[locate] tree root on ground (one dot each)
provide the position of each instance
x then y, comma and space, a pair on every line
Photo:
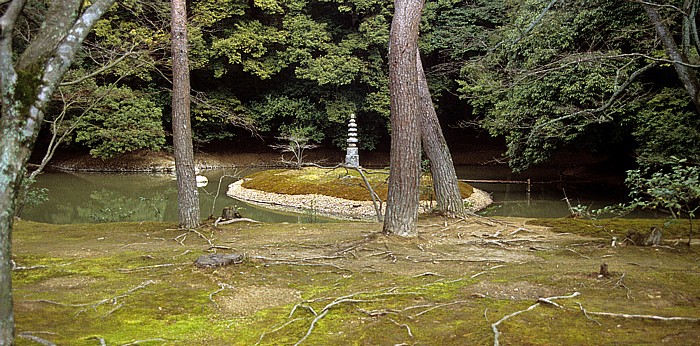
95, 305
586, 313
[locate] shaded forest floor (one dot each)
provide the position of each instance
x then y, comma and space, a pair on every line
344, 284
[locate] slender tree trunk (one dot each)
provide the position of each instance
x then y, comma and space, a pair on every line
442, 168
187, 195
404, 178
25, 89
685, 73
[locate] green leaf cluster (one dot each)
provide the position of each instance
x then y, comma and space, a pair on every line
560, 77
126, 120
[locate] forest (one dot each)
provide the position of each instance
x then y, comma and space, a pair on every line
543, 75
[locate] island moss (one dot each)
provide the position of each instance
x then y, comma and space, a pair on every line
337, 182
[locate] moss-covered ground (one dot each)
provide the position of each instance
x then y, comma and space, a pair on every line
135, 282
338, 182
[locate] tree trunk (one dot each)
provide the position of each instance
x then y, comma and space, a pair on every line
447, 195
685, 73
26, 89
404, 177
187, 195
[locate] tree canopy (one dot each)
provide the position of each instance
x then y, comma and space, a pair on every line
543, 74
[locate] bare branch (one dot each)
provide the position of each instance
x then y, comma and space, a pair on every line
101, 69
653, 4
632, 78
532, 25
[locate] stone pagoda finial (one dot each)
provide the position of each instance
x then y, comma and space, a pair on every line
352, 156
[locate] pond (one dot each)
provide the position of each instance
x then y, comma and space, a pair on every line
109, 197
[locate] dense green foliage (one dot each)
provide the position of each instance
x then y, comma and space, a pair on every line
582, 73
124, 121
543, 74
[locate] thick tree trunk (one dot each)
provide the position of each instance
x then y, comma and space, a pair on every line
404, 177
187, 195
685, 73
37, 74
447, 195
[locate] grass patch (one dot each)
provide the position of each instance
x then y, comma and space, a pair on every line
618, 227
339, 182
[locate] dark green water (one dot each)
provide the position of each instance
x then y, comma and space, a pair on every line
109, 197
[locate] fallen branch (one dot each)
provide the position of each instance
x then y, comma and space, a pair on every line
218, 221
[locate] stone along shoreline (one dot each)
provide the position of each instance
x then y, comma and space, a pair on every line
332, 207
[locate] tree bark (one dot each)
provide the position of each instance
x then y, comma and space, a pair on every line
685, 73
26, 89
445, 184
187, 194
404, 177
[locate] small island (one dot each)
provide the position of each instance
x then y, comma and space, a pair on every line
337, 193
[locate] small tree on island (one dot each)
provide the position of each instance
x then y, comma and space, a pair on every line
296, 143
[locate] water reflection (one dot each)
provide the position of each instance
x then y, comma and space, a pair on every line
111, 197
108, 197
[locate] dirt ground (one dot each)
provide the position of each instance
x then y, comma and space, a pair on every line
473, 281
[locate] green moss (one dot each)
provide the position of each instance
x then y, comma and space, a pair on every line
339, 183
112, 264
607, 228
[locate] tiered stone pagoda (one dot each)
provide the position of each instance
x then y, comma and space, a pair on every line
352, 156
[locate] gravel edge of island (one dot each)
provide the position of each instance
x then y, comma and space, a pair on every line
332, 207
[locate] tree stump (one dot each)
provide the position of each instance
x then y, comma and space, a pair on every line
604, 273
230, 213
653, 237
218, 260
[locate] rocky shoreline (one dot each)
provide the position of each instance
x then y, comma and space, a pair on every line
332, 207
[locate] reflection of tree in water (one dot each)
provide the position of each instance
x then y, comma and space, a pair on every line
108, 206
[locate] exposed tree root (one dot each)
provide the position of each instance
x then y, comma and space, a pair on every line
39, 340
275, 329
131, 270
301, 262
95, 305
222, 286
548, 300
643, 317
324, 311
